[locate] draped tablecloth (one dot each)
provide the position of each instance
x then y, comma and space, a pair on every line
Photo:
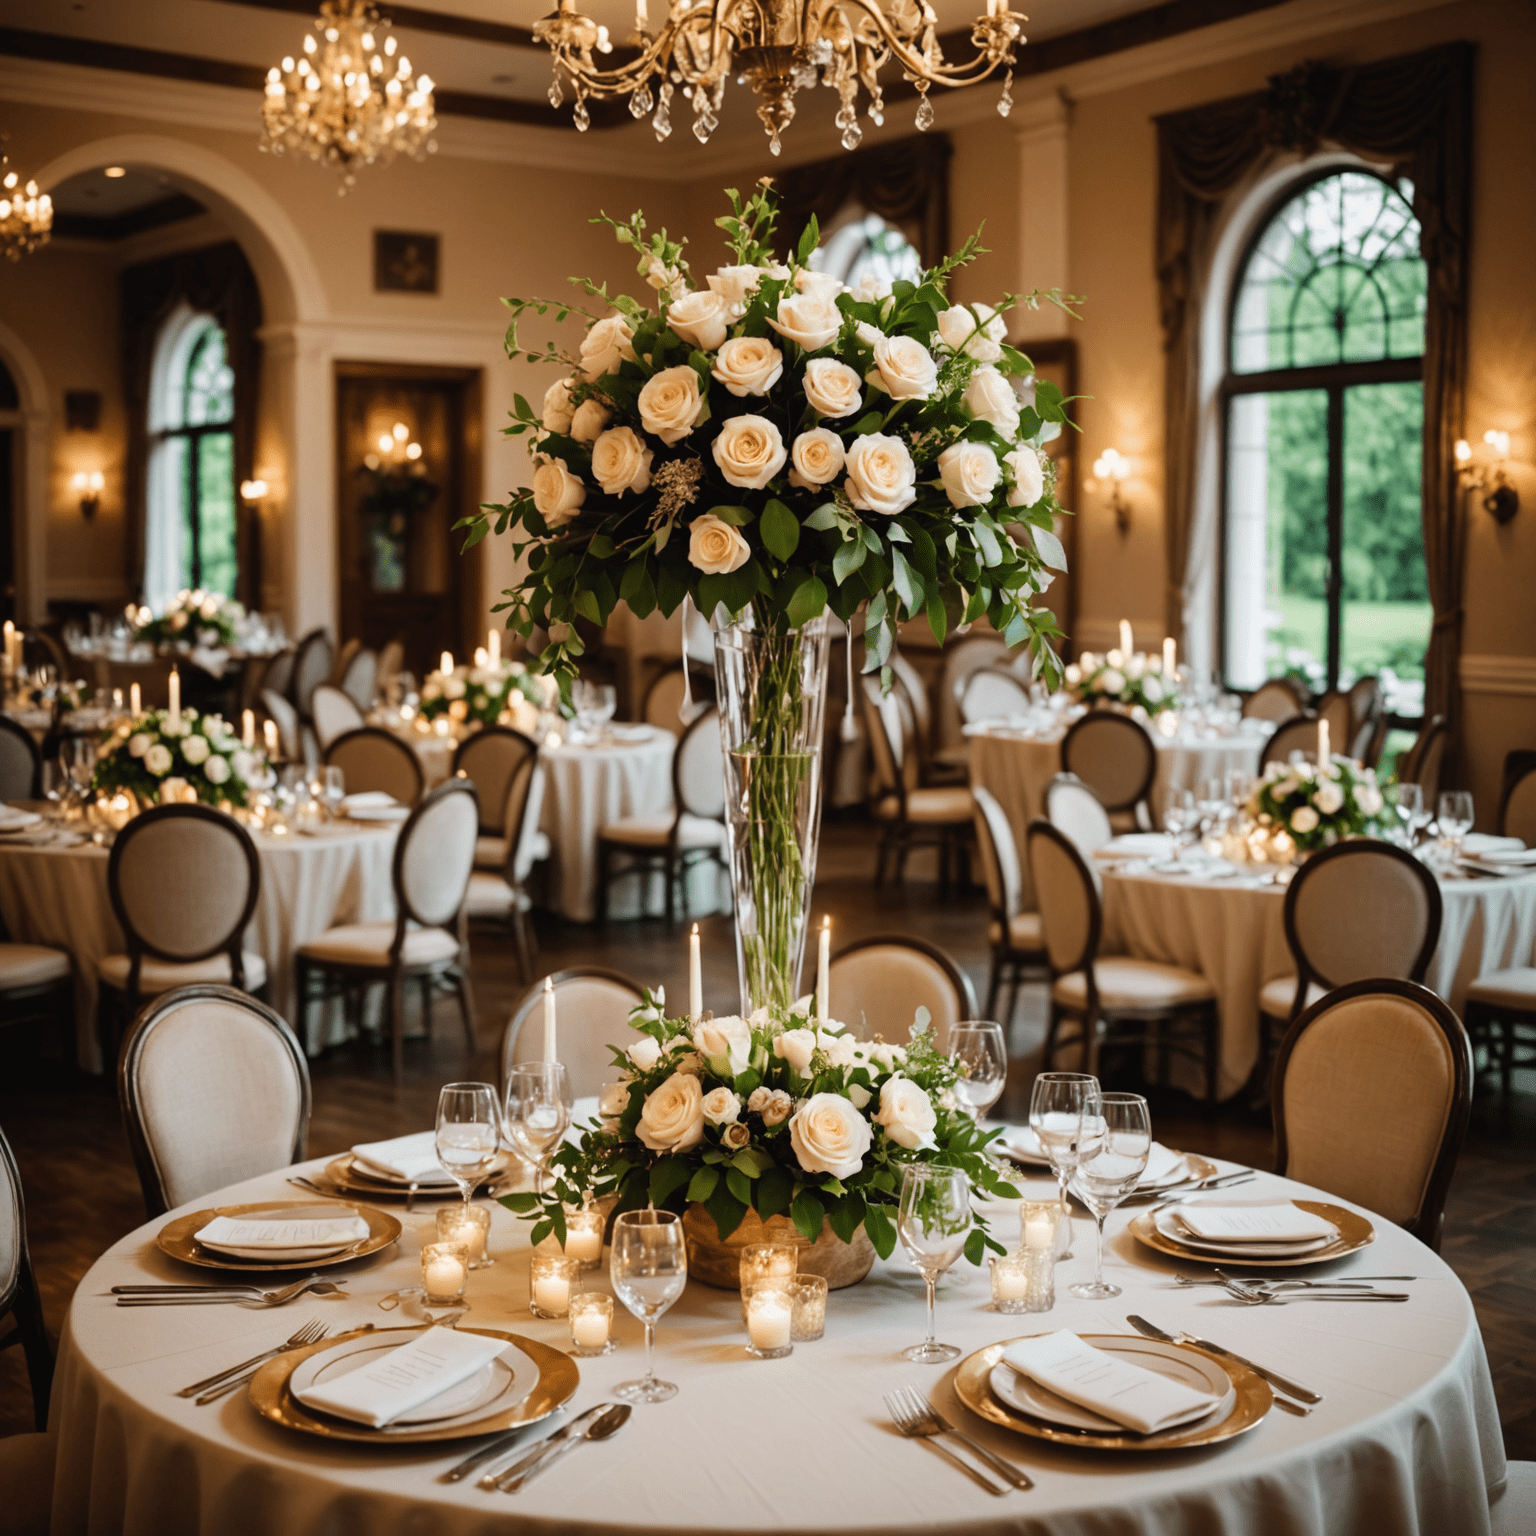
1232, 931
55, 894
1406, 1441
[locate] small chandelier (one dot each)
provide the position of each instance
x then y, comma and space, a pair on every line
349, 99
779, 47
26, 215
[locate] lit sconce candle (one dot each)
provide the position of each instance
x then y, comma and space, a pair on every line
174, 684
551, 1279
445, 664
592, 1323
248, 728
824, 971
584, 1237
695, 976
1324, 755
135, 701
770, 1316
444, 1268
493, 647
10, 647
1126, 649
1170, 656
551, 1052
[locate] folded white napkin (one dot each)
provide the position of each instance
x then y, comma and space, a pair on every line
367, 800
1484, 843
410, 1159
1138, 845
12, 818
1161, 1164
1129, 1394
1283, 1223
405, 1378
1515, 856
276, 1234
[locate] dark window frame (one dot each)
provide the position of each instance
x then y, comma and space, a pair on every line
194, 436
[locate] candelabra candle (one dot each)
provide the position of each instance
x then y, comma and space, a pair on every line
770, 1315
247, 729
470, 1225
592, 1324
808, 1299
136, 701
551, 1279
444, 1268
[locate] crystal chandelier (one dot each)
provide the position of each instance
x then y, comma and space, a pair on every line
780, 47
349, 99
26, 215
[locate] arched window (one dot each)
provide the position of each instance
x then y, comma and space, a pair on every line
190, 535
861, 244
1324, 552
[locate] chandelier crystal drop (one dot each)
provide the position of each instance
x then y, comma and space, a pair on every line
348, 99
779, 47
26, 215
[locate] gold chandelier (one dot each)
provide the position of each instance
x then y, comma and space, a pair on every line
780, 47
26, 215
349, 98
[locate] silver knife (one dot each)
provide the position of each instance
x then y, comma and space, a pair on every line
489, 1452
1274, 1378
545, 1446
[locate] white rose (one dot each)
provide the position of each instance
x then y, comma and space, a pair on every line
728, 1036
243, 762
670, 403
1112, 680
1368, 798
796, 1046
173, 791
179, 619
881, 475
889, 1056
216, 769
778, 1108
749, 451
721, 1106
645, 1053
970, 473
138, 744
1304, 820
1329, 798
1153, 690
715, 547
195, 749
621, 461
974, 329
990, 397
672, 1119
557, 493
907, 1113
158, 759
557, 407
904, 368
825, 285
590, 419
210, 608
842, 1050
871, 288
1026, 466
831, 387
455, 687
829, 1136
749, 365
612, 1100
605, 346
759, 1100
817, 457
811, 319
700, 319
733, 284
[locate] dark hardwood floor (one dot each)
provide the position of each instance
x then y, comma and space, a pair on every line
82, 1192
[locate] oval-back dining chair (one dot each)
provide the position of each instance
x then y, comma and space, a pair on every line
19, 1298
312, 663
1073, 807
592, 1007
21, 763
1013, 933
373, 759
1277, 699
993, 693
491, 758
879, 983
334, 713
1116, 758
1298, 734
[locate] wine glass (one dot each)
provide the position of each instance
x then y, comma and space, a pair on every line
978, 1046
334, 790
1408, 801
468, 1135
648, 1268
1214, 808
537, 1112
1179, 818
934, 1217
1454, 814
1114, 1157
1057, 1109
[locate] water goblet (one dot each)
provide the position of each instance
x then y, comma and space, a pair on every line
981, 1050
537, 1112
1059, 1105
649, 1269
1179, 820
1113, 1160
1408, 802
334, 790
468, 1134
932, 1222
1454, 814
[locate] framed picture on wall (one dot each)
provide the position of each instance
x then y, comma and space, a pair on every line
1056, 360
404, 262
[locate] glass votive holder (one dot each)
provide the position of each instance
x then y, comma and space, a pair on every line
551, 1279
775, 1262
444, 1269
592, 1323
584, 1237
1041, 1227
470, 1225
1024, 1282
808, 1303
770, 1318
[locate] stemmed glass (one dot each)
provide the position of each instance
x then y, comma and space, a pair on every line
1179, 819
1058, 1109
1214, 808
334, 790
468, 1135
934, 1218
978, 1045
648, 1268
538, 1113
1114, 1157
1454, 814
1408, 801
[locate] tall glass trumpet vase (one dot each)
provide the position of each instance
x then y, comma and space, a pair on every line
772, 685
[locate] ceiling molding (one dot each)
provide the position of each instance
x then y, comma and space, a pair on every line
171, 209
440, 22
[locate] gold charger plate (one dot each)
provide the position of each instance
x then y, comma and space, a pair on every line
1253, 1401
344, 1174
1354, 1233
175, 1237
559, 1376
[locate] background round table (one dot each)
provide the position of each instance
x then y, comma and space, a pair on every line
1406, 1440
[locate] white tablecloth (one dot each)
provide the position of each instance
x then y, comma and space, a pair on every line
1016, 768
1232, 932
58, 896
1407, 1438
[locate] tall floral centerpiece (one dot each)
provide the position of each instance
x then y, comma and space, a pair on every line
1133, 682
164, 756
192, 618
775, 448
486, 693
1304, 806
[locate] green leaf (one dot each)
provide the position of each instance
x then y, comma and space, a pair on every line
780, 529
774, 1191
808, 1213
846, 1215
823, 518
726, 1209
809, 602
739, 1184
848, 559
909, 587
871, 421
987, 540
702, 1185
1048, 547
938, 619
668, 1175
808, 240
737, 517
520, 1203
586, 605
881, 1230
976, 1245
637, 590
752, 1161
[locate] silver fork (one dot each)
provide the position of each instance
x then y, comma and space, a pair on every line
911, 1426
924, 1409
1259, 1297
305, 1335
242, 1377
1309, 1285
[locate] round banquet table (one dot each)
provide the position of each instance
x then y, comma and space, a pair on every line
1016, 764
1232, 931
55, 892
1407, 1439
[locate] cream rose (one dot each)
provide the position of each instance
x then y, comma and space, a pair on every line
778, 1108
216, 769
975, 329
736, 1136
832, 388
158, 759
672, 1119
589, 420
557, 493
817, 457
842, 1050
796, 1047
907, 1113
969, 472
195, 749
904, 368
1329, 798
1027, 470
557, 407
829, 1136
749, 451
721, 1106
825, 285
612, 1100
138, 744
872, 289
733, 284
1304, 819
605, 346
700, 319
645, 1053
670, 403
715, 547
990, 397
881, 475
728, 1036
758, 1100
621, 461
811, 319
748, 365
889, 1056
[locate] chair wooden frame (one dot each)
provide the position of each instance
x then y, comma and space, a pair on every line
395, 745
1268, 752
941, 957
534, 998
1008, 961
490, 827
1499, 1026
522, 930
701, 689
152, 1014
932, 768
21, 733
1519, 765
21, 1301
1276, 685
1434, 734
1427, 1223
1138, 804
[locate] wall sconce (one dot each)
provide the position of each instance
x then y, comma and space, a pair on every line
1112, 466
253, 490
396, 447
88, 487
1491, 477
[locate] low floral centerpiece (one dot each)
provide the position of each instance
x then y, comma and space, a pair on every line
778, 1122
1311, 807
487, 694
192, 618
160, 758
1133, 682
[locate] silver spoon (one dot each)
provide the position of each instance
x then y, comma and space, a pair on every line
602, 1427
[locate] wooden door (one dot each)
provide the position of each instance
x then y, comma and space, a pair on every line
399, 566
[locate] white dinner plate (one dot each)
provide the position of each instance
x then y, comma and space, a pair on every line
1021, 1143
1136, 845
1168, 1223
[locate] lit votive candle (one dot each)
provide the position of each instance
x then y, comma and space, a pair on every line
770, 1317
584, 1238
592, 1324
551, 1279
1037, 1224
470, 1225
1010, 1283
771, 1262
808, 1300
444, 1268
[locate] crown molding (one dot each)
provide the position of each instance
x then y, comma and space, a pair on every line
1507, 676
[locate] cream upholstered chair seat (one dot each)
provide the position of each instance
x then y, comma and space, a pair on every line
489, 896
1512, 988
935, 805
491, 852
1277, 996
879, 983
654, 831
1024, 931
1127, 984
369, 944
31, 965
157, 976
